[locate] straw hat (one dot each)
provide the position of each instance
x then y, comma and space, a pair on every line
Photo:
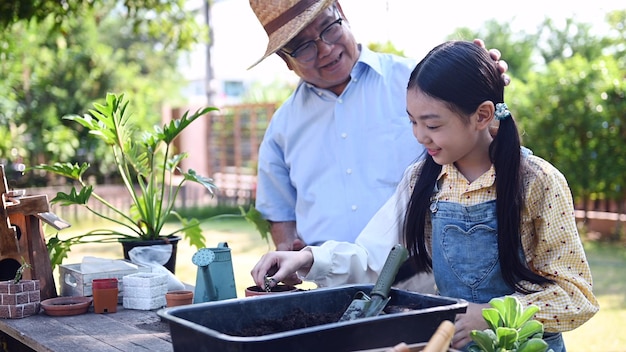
284, 19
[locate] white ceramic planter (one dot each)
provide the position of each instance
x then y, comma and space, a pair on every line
144, 291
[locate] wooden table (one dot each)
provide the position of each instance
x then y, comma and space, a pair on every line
126, 330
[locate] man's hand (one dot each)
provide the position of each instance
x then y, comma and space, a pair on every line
496, 56
285, 237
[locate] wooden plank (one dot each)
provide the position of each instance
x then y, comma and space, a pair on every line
125, 330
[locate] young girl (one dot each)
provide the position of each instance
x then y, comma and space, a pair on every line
480, 212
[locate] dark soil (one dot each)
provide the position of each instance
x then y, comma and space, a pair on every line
299, 319
275, 289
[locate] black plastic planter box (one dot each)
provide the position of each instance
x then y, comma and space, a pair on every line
219, 326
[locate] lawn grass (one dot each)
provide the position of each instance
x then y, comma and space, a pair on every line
604, 332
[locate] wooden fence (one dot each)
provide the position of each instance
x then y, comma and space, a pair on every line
230, 140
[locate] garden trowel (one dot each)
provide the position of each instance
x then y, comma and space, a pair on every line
368, 306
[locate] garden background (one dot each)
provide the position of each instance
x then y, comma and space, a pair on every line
568, 94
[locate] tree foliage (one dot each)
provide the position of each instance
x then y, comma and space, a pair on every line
570, 101
574, 38
12, 12
167, 19
568, 122
517, 48
386, 47
59, 64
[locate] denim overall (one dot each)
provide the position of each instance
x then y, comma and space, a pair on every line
465, 255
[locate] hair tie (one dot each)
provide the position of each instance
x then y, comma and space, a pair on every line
502, 112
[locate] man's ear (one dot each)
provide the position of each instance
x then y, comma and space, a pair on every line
485, 114
285, 59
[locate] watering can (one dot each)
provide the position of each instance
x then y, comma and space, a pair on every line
215, 279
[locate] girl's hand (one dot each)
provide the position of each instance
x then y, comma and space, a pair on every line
465, 323
282, 267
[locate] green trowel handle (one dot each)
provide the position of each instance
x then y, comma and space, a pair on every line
396, 257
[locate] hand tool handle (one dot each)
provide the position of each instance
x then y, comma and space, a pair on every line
440, 341
396, 257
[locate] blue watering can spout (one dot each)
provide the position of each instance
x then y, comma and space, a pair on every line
215, 279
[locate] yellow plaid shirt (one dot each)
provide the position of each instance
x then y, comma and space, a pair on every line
549, 237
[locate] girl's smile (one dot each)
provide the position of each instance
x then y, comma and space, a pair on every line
449, 136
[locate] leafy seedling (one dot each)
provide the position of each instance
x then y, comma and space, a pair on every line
511, 328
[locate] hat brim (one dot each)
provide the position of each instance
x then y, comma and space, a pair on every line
284, 34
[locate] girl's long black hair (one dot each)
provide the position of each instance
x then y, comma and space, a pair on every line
463, 75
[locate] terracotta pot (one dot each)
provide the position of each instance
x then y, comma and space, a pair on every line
105, 292
19, 300
179, 298
278, 289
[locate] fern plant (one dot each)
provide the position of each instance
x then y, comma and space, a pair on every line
150, 172
511, 328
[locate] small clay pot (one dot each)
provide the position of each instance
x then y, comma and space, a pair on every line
105, 295
178, 298
259, 291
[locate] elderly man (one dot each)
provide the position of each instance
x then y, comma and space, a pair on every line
336, 149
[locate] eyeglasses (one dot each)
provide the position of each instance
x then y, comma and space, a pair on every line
307, 51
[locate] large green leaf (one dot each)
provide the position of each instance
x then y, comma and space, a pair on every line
171, 130
69, 170
57, 250
207, 182
513, 309
173, 162
527, 314
530, 329
493, 318
74, 198
193, 233
498, 304
254, 217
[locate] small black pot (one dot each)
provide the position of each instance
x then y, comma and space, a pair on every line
128, 244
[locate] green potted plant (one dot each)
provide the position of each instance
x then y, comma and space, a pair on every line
511, 328
150, 172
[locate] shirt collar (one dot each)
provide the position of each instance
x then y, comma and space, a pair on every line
367, 58
449, 170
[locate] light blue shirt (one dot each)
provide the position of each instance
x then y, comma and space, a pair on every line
330, 162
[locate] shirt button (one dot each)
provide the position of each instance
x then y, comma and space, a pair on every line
340, 100
344, 135
348, 171
354, 207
